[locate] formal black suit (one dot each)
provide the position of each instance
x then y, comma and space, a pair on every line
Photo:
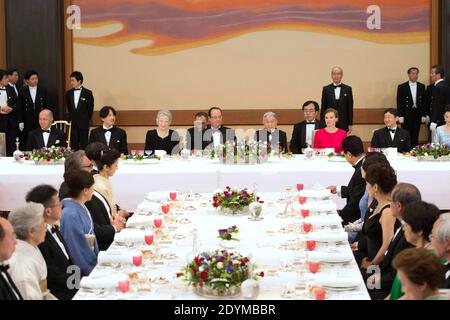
344, 105
35, 139
353, 193
447, 276
440, 98
298, 142
9, 122
382, 139
57, 266
103, 229
388, 273
279, 139
7, 288
412, 113
196, 135
118, 139
227, 134
81, 117
30, 110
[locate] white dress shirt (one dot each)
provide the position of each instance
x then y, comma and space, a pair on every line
337, 91
413, 87
107, 135
58, 241
46, 136
76, 97
217, 135
3, 97
393, 133
310, 128
33, 93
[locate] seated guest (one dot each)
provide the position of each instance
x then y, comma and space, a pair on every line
380, 283
419, 219
196, 133
74, 162
443, 132
216, 134
108, 134
28, 267
77, 226
107, 220
276, 139
163, 138
379, 227
302, 136
46, 136
353, 149
331, 136
54, 248
420, 274
93, 153
8, 289
391, 136
440, 240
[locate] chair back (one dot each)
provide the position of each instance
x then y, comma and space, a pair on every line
65, 127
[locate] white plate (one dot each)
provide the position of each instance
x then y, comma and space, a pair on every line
143, 162
337, 159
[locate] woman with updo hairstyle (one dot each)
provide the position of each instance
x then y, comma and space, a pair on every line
77, 226
379, 227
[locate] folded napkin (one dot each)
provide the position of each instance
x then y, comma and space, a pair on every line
122, 257
327, 257
105, 282
320, 206
317, 221
158, 196
327, 236
131, 235
316, 194
337, 281
147, 206
140, 221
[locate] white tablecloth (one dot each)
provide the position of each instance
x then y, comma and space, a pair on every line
264, 240
133, 182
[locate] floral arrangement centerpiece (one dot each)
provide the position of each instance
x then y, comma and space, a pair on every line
227, 234
217, 274
431, 152
53, 155
234, 201
138, 157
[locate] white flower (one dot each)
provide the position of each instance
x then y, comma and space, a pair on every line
201, 269
220, 266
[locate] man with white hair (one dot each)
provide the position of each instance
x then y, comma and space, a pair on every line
440, 238
276, 139
8, 290
46, 136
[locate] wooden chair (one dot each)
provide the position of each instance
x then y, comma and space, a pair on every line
65, 127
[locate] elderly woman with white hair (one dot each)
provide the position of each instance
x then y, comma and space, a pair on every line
275, 138
163, 138
440, 239
28, 267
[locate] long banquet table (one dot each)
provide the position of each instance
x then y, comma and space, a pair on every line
133, 181
268, 241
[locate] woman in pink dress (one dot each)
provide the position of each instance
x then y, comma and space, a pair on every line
331, 136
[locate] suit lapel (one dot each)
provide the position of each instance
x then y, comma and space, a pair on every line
114, 138
333, 96
40, 139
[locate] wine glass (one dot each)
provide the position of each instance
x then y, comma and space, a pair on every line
173, 196
149, 239
124, 286
311, 245
307, 227
133, 153
148, 153
137, 260
158, 223
302, 200
305, 213
300, 187
314, 266
165, 208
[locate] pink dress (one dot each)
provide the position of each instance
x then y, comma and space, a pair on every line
324, 139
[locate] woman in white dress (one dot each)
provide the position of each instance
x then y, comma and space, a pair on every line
28, 267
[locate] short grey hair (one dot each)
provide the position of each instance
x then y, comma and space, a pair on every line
164, 113
443, 230
405, 193
74, 161
50, 113
269, 115
28, 217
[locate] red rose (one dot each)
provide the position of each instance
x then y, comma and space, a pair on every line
261, 274
204, 275
215, 205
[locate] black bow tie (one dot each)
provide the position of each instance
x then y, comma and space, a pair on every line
393, 130
4, 267
77, 89
338, 86
310, 122
45, 131
106, 130
55, 229
2, 89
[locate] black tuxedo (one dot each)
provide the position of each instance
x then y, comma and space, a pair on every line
227, 134
9, 122
104, 231
382, 139
406, 109
16, 94
118, 139
7, 288
279, 139
57, 265
353, 193
388, 273
298, 142
30, 110
447, 276
35, 139
344, 106
81, 117
196, 135
440, 97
